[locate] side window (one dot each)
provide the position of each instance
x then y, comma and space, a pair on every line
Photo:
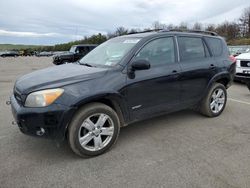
215, 45
86, 50
191, 48
81, 50
77, 50
158, 51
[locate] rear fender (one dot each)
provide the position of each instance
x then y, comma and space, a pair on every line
217, 78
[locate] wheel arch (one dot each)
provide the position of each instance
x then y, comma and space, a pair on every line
223, 78
112, 100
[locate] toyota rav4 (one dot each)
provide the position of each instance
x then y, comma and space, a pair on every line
124, 80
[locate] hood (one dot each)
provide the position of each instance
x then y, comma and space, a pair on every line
57, 76
244, 56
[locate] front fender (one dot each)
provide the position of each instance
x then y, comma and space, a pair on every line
117, 101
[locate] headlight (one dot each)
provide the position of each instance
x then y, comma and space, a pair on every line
237, 63
43, 98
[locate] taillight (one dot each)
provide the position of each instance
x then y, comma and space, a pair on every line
232, 58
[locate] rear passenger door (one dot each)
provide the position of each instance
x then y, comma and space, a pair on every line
198, 67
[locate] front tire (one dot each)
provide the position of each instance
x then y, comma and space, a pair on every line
93, 130
215, 101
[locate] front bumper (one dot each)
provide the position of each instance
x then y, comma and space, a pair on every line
242, 74
52, 119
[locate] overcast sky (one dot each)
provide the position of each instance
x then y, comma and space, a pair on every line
59, 21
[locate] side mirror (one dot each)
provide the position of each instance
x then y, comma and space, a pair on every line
140, 64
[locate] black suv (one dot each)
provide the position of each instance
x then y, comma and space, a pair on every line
9, 54
75, 53
125, 79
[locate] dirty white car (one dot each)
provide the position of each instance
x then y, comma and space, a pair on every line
243, 67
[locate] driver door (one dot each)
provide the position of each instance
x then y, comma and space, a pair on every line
156, 90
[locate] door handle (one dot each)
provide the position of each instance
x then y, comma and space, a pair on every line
212, 66
174, 71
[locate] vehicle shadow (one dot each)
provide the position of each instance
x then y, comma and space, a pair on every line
47, 149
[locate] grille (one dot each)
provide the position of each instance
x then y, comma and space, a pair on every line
245, 64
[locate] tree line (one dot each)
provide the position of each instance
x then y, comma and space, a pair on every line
235, 32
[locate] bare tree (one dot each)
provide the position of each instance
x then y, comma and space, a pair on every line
111, 35
197, 26
245, 22
131, 31
121, 31
157, 25
233, 30
210, 27
229, 30
170, 26
182, 26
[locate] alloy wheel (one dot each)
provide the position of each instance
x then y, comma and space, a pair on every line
96, 132
217, 100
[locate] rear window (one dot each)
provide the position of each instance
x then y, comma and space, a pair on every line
191, 48
215, 45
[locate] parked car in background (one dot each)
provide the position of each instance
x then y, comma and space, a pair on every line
40, 54
9, 54
237, 50
243, 67
27, 52
59, 52
75, 53
124, 80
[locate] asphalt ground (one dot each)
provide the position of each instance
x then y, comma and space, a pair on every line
183, 149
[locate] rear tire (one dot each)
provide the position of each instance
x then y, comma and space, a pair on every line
93, 130
215, 101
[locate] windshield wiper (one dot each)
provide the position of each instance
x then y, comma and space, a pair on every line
85, 64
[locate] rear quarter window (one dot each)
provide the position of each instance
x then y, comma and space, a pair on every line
215, 45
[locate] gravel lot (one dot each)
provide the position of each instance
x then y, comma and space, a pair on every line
183, 149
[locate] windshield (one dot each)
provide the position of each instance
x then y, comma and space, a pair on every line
110, 53
72, 49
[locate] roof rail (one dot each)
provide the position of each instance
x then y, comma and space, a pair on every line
192, 31
145, 31
177, 30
